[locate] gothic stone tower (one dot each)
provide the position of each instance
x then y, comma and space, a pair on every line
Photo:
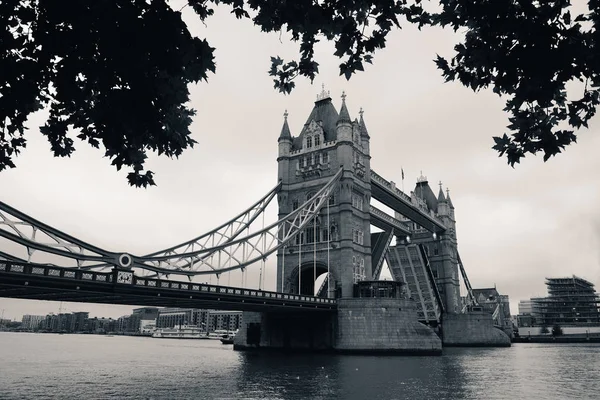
327, 142
442, 250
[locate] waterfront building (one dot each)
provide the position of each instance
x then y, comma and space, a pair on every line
224, 320
170, 317
571, 301
143, 320
31, 322
102, 325
78, 322
207, 320
526, 307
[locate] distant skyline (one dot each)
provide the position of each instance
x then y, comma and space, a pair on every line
515, 226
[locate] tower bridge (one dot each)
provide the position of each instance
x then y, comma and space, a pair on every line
324, 192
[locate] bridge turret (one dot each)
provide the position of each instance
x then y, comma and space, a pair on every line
285, 148
285, 138
344, 123
443, 208
364, 134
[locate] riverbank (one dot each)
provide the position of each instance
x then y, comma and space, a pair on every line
558, 339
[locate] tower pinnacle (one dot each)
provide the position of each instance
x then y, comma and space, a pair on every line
344, 115
441, 196
324, 94
362, 124
285, 129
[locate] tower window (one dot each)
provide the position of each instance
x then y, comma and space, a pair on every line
310, 234
309, 142
325, 158
357, 202
295, 204
358, 236
333, 233
317, 140
331, 199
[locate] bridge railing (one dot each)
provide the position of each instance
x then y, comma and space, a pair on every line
386, 217
381, 180
55, 272
153, 283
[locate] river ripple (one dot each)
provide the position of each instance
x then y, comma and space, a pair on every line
48, 366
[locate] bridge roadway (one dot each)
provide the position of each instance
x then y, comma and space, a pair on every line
45, 282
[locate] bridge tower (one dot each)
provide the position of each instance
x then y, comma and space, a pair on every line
442, 250
340, 236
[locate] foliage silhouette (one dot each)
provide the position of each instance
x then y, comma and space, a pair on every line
118, 71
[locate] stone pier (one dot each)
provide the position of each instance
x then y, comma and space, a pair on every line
474, 329
383, 325
377, 320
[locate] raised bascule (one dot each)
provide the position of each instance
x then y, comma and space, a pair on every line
323, 234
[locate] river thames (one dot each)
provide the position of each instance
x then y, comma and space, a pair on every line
50, 366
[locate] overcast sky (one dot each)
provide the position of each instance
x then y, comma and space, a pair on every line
515, 226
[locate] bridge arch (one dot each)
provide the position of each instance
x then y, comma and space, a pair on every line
310, 274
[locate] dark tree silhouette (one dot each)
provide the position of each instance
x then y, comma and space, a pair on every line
118, 71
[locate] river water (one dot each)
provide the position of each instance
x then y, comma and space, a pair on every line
50, 366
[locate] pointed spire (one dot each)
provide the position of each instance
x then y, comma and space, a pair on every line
441, 196
449, 199
285, 129
363, 127
344, 114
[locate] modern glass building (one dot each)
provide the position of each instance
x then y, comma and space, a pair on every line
570, 302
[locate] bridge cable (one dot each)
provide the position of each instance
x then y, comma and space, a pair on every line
315, 253
300, 263
264, 260
328, 245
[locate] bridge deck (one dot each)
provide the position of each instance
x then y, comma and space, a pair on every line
42, 282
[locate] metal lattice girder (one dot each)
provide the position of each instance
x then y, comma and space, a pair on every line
228, 253
37, 236
224, 233
239, 253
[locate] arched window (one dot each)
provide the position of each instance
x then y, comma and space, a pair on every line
317, 140
325, 157
333, 233
309, 142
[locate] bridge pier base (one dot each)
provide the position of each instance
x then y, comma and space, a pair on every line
285, 331
361, 325
383, 325
474, 329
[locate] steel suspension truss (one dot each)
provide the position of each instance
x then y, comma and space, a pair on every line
239, 253
220, 250
36, 236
